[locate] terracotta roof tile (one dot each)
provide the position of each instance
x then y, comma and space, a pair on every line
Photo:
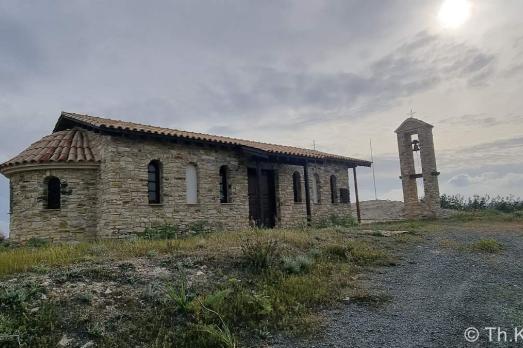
105, 123
70, 145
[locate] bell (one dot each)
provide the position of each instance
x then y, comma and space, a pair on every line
415, 145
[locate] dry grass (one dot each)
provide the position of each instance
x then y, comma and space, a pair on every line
362, 253
21, 259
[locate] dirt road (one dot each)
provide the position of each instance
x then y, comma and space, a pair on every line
439, 289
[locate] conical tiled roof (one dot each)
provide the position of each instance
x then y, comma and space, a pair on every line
72, 145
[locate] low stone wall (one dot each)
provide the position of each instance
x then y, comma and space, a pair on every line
384, 210
380, 210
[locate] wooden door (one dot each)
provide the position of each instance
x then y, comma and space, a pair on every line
262, 205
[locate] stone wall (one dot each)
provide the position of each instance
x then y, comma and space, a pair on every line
325, 207
110, 199
76, 220
380, 210
124, 206
289, 212
294, 214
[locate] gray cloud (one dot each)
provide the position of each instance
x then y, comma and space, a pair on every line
421, 64
482, 119
287, 71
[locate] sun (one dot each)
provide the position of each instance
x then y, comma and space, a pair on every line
453, 13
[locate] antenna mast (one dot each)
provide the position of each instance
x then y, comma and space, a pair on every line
373, 174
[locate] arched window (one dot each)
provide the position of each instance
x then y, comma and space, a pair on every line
154, 182
53, 193
316, 191
334, 189
191, 181
225, 196
296, 186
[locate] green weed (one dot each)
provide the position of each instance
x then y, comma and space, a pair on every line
490, 246
363, 254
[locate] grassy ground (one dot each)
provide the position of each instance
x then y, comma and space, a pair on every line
212, 290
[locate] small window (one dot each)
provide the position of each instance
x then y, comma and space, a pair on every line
154, 182
53, 193
191, 181
344, 195
316, 192
224, 185
296, 185
334, 189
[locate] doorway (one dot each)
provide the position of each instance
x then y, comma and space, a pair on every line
262, 205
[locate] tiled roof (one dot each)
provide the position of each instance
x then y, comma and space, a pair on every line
70, 145
105, 123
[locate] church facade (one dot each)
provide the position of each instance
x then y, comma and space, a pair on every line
96, 178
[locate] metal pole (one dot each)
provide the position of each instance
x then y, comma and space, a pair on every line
357, 196
307, 192
373, 174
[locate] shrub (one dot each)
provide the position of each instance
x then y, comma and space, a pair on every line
259, 253
296, 264
238, 305
507, 204
180, 295
336, 250
315, 253
4, 243
487, 246
37, 243
38, 328
217, 334
153, 292
199, 227
85, 297
160, 232
15, 298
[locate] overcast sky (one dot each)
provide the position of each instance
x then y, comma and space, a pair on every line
334, 72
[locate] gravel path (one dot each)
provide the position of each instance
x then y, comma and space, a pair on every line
436, 293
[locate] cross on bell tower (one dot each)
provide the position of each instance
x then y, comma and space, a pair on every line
415, 137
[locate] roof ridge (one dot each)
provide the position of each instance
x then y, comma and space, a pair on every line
189, 131
103, 122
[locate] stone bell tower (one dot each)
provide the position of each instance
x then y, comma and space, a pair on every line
418, 168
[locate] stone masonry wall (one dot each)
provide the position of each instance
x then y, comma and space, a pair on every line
293, 214
123, 202
76, 220
111, 201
